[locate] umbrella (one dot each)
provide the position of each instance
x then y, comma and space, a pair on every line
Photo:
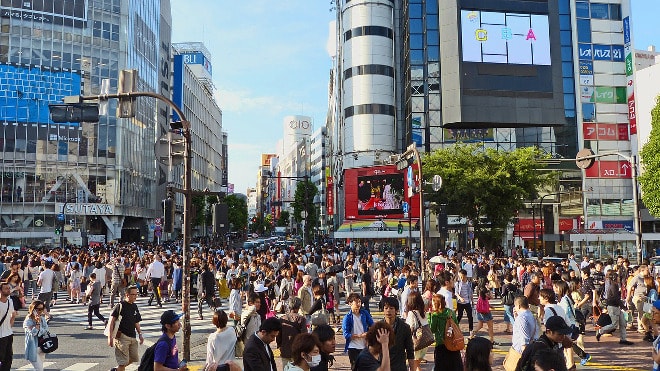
439, 260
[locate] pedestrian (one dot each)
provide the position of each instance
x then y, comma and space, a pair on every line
355, 325
292, 325
250, 317
479, 355
35, 325
306, 295
554, 338
7, 317
509, 290
531, 292
93, 296
306, 353
445, 360
126, 346
655, 319
166, 352
326, 336
155, 273
116, 289
367, 286
376, 356
258, 356
464, 293
525, 329
206, 290
637, 291
484, 314
547, 360
402, 348
45, 281
416, 319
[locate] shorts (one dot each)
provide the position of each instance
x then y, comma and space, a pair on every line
419, 354
484, 317
126, 350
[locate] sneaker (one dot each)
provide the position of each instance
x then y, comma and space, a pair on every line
586, 359
89, 328
625, 342
598, 335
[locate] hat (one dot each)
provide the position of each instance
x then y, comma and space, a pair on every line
169, 317
260, 288
557, 324
656, 304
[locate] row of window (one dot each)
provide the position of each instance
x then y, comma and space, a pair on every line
369, 109
369, 69
369, 31
584, 9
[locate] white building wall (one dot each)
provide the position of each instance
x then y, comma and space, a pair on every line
647, 89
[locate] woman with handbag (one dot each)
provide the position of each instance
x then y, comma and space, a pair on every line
445, 359
416, 320
35, 325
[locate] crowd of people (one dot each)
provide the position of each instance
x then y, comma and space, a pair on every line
291, 298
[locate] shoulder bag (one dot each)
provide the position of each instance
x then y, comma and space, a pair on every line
106, 331
48, 343
422, 336
453, 336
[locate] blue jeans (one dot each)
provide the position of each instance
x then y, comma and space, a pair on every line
508, 314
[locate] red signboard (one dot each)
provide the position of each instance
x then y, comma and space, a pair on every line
377, 192
525, 227
609, 169
632, 114
594, 131
330, 196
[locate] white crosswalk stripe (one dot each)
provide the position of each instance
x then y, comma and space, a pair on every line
150, 324
80, 367
29, 366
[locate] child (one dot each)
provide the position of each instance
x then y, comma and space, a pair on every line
484, 314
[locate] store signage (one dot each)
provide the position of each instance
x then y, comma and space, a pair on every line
86, 209
330, 196
594, 131
610, 169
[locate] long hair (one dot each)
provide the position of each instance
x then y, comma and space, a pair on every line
477, 355
34, 304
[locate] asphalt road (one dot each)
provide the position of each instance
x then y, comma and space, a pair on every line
81, 349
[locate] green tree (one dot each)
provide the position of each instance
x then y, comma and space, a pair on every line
485, 185
650, 159
303, 201
283, 220
237, 210
199, 204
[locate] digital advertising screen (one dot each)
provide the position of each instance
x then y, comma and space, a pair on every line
26, 92
59, 12
505, 38
377, 192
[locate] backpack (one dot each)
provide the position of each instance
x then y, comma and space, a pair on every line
147, 360
453, 340
511, 296
483, 306
320, 317
240, 328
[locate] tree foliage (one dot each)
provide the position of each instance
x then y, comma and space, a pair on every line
283, 220
237, 210
650, 159
485, 185
304, 201
199, 203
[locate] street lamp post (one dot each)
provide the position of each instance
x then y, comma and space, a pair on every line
586, 158
543, 217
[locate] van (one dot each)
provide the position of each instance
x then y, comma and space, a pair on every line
249, 245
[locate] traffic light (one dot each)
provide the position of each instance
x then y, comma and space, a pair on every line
76, 112
254, 219
220, 217
399, 228
168, 215
57, 230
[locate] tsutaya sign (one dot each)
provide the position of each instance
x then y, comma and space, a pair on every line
85, 209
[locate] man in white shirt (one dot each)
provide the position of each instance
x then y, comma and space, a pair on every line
155, 273
446, 290
7, 317
45, 281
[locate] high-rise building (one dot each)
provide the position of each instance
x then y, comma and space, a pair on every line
96, 181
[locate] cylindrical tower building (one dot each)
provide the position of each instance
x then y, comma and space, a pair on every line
368, 100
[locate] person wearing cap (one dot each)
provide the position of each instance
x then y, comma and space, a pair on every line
166, 352
557, 335
260, 289
125, 343
258, 355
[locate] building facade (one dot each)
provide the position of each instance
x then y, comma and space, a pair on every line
92, 182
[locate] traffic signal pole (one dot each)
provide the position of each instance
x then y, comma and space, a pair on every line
184, 126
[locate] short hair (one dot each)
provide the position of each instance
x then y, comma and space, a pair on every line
129, 288
372, 334
352, 297
303, 343
271, 324
324, 333
548, 295
318, 290
412, 278
390, 302
253, 297
521, 301
586, 271
477, 354
547, 360
295, 303
220, 318
92, 275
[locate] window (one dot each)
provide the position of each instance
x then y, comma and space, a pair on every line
582, 9
566, 53
432, 38
415, 11
564, 7
416, 26
564, 22
600, 11
565, 37
567, 69
584, 30
615, 12
569, 85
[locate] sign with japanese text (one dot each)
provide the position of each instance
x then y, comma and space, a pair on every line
597, 131
610, 169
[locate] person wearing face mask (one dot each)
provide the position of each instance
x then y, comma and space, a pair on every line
326, 336
305, 352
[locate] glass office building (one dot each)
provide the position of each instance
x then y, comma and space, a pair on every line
89, 182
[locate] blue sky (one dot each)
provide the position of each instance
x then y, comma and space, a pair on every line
270, 60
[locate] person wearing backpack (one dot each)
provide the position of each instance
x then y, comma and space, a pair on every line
509, 293
166, 352
292, 325
445, 359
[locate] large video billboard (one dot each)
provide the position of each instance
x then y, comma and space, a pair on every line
26, 91
511, 38
59, 12
377, 192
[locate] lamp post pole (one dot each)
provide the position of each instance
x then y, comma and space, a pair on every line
412, 151
543, 217
586, 158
